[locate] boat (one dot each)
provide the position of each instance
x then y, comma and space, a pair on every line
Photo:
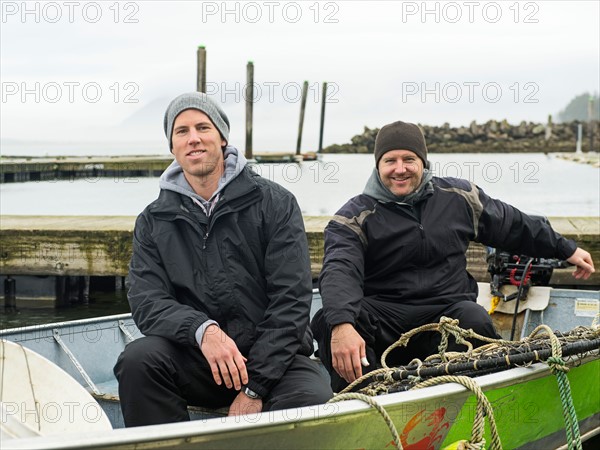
80, 409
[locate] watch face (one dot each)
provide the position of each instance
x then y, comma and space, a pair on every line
250, 393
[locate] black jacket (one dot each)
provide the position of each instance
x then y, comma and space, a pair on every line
246, 266
417, 254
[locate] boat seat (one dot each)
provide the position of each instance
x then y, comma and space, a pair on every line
11, 427
109, 400
537, 300
109, 388
38, 397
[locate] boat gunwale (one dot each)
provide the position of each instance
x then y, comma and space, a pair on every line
194, 431
64, 324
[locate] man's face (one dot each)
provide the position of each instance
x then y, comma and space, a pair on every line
400, 171
197, 145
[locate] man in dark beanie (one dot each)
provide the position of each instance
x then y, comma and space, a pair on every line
223, 307
400, 135
395, 258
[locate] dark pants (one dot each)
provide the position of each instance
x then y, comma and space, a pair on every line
158, 379
381, 324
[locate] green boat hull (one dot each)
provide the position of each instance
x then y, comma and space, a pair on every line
530, 414
525, 400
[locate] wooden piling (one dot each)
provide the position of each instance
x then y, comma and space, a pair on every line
591, 123
301, 124
548, 130
84, 290
10, 296
63, 295
322, 125
201, 71
249, 106
579, 138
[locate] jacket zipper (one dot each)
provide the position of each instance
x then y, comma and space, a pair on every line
212, 218
423, 247
418, 220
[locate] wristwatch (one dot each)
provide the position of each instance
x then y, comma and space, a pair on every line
250, 393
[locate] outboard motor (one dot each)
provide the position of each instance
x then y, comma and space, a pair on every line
518, 270
522, 271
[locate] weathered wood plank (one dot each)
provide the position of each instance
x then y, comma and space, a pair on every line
101, 245
65, 245
16, 169
76, 167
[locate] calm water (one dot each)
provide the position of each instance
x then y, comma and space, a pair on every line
101, 304
535, 183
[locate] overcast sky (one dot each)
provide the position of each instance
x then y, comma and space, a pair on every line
104, 71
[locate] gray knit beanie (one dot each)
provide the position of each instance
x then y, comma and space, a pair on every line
201, 102
400, 136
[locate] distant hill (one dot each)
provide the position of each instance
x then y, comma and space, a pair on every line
150, 115
579, 107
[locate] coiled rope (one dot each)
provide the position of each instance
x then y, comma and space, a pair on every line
449, 327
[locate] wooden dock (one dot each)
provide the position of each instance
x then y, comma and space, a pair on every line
589, 158
276, 158
81, 167
13, 169
101, 246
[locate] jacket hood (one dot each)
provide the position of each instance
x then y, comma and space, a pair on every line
173, 178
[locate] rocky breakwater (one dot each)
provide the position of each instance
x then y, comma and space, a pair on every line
489, 137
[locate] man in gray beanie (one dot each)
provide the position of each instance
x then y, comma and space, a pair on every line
395, 258
223, 305
200, 102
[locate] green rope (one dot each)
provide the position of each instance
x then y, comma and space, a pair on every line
557, 365
559, 369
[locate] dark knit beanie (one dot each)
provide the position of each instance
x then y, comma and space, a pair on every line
201, 102
400, 136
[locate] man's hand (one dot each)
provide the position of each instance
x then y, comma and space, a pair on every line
347, 350
584, 263
226, 362
243, 404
